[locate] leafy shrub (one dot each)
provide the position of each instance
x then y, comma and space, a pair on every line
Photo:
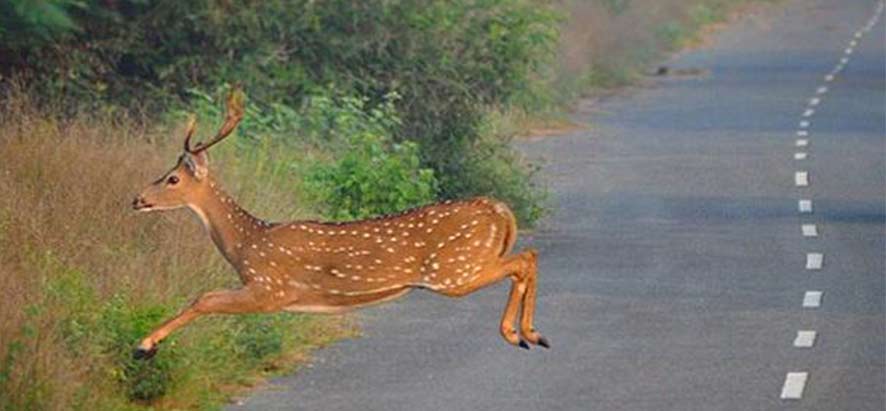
259, 336
123, 325
373, 177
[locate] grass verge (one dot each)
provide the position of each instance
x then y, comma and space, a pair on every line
83, 277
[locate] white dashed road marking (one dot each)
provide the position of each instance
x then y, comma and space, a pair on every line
812, 299
809, 230
814, 261
804, 206
801, 178
794, 383
805, 339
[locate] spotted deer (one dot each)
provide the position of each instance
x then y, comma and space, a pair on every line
452, 248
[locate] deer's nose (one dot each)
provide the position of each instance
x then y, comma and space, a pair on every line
138, 202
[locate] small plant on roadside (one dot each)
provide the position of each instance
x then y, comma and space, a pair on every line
374, 176
121, 325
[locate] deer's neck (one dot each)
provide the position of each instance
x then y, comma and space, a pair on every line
230, 226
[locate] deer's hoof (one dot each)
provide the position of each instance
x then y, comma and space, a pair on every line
542, 341
523, 345
141, 353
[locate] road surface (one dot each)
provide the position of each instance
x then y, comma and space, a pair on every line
673, 272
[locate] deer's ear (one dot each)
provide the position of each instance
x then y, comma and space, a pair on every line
197, 164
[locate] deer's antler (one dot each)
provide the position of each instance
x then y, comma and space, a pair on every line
233, 114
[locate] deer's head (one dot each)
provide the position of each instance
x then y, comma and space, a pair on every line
188, 179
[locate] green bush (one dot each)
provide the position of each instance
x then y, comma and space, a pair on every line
373, 177
259, 336
122, 326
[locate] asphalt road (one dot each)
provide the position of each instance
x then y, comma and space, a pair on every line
673, 272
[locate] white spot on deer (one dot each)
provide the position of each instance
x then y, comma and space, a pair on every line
273, 264
251, 271
435, 266
366, 235
254, 246
355, 277
390, 250
297, 284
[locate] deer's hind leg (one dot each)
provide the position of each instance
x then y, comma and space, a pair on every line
527, 329
520, 268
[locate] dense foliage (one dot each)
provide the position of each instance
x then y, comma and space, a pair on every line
450, 61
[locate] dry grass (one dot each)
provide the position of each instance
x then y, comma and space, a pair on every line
69, 243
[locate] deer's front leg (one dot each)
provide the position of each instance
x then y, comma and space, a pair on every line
244, 300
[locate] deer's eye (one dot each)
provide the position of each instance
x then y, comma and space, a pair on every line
172, 180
